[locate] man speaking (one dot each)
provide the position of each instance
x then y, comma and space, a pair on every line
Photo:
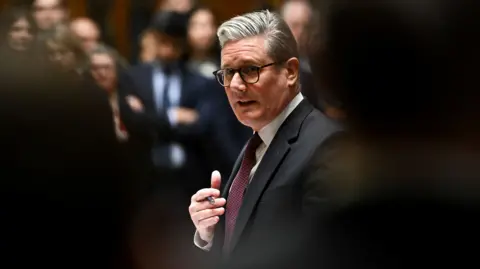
271, 188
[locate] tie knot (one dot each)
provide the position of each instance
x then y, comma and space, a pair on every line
253, 143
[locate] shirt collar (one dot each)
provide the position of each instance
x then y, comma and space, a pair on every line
158, 65
268, 132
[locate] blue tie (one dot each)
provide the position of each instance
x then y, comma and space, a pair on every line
167, 155
167, 71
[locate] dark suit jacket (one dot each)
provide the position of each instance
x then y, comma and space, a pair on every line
277, 199
154, 128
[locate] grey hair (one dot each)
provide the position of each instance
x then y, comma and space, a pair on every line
280, 44
104, 49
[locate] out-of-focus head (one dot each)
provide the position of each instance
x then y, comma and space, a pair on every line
259, 66
181, 6
48, 13
103, 67
202, 29
171, 32
65, 49
87, 31
148, 46
298, 14
17, 28
400, 67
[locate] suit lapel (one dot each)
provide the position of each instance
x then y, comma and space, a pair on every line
271, 161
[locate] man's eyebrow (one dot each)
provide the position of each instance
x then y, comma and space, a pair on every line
244, 63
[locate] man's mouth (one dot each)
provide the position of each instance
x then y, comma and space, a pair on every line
246, 102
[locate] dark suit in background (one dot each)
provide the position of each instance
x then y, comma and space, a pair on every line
151, 129
156, 128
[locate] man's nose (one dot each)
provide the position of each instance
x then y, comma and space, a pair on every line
237, 82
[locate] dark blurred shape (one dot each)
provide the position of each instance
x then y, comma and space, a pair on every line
61, 193
171, 23
407, 187
398, 66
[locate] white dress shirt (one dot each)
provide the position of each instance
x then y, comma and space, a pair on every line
177, 153
267, 134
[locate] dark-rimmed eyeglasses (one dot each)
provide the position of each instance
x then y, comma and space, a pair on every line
249, 74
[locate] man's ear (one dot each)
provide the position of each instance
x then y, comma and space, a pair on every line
293, 67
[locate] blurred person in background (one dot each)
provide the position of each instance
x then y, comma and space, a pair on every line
61, 196
17, 32
167, 107
407, 189
48, 14
89, 34
203, 58
103, 69
176, 112
298, 15
203, 48
87, 31
65, 50
181, 6
148, 46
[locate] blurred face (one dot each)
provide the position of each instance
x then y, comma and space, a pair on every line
88, 33
48, 13
255, 105
177, 5
103, 71
61, 55
201, 31
297, 16
148, 46
168, 49
20, 36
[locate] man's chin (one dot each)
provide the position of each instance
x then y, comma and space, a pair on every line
253, 122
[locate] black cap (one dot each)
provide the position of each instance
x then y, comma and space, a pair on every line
171, 23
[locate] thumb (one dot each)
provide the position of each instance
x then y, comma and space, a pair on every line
216, 180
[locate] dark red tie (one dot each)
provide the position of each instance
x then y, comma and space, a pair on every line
239, 185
